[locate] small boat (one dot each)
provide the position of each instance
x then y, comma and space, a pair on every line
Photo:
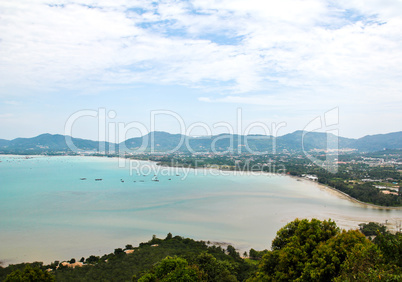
98, 179
83, 178
170, 178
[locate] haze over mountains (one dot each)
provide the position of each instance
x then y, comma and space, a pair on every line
159, 141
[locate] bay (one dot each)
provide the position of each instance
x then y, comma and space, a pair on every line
53, 208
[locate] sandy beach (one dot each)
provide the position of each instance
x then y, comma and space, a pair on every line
343, 195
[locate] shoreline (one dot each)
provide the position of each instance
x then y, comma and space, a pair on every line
345, 196
345, 220
337, 192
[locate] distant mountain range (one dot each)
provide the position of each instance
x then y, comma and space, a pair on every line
159, 141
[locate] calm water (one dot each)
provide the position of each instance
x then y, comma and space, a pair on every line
48, 213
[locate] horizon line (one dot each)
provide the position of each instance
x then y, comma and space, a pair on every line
199, 136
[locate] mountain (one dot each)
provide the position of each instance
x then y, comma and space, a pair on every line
302, 140
4, 142
163, 142
379, 142
46, 143
159, 141
294, 142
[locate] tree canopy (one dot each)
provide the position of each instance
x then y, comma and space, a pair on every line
303, 250
314, 250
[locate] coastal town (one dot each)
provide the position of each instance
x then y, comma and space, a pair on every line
369, 177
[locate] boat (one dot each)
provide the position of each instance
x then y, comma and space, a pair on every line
83, 178
98, 179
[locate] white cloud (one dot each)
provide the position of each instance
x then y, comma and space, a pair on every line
231, 46
6, 116
302, 100
12, 103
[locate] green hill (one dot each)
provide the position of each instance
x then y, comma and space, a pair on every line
303, 250
159, 141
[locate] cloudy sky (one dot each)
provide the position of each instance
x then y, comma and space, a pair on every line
279, 63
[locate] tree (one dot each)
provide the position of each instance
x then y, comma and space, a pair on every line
257, 254
92, 259
293, 248
391, 247
30, 274
232, 252
215, 270
366, 263
173, 269
328, 257
154, 240
253, 254
305, 232
129, 247
316, 251
118, 251
371, 228
54, 264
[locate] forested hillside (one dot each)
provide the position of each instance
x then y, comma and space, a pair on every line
303, 250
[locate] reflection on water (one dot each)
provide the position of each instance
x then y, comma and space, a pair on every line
51, 208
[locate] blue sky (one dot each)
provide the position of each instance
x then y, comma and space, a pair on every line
280, 62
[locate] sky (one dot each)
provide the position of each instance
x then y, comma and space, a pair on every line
199, 67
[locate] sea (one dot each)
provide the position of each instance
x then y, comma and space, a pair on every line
63, 207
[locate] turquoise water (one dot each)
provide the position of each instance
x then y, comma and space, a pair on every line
48, 213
